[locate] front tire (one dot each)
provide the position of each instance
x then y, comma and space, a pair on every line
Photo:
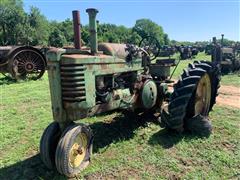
48, 144
74, 150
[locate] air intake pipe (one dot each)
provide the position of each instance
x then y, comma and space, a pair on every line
92, 13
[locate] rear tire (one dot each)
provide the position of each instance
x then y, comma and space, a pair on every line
26, 62
183, 98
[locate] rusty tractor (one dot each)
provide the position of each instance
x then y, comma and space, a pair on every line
167, 51
185, 52
22, 62
227, 57
195, 51
110, 76
208, 49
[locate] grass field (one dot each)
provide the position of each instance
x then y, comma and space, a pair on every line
123, 147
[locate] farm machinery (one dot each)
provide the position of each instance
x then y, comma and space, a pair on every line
187, 52
108, 76
208, 49
167, 51
228, 57
22, 62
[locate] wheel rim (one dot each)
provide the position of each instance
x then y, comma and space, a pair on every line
28, 64
203, 95
78, 150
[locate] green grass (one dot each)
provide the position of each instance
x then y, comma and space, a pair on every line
123, 147
231, 80
184, 63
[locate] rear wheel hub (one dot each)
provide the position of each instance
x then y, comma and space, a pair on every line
203, 96
29, 67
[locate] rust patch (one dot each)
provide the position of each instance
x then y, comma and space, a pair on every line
90, 67
83, 56
121, 65
104, 66
53, 49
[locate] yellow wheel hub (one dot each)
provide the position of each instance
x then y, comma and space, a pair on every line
78, 150
203, 96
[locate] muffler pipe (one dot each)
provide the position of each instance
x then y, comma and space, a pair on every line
222, 39
92, 13
77, 29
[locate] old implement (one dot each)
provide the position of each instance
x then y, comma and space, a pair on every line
22, 62
227, 57
106, 77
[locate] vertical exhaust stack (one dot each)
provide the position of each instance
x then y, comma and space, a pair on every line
77, 29
93, 29
222, 39
214, 40
216, 52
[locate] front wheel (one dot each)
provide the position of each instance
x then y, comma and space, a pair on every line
194, 94
74, 150
48, 144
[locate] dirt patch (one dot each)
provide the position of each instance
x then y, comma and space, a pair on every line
229, 96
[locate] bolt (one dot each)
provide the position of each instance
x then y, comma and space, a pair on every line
79, 151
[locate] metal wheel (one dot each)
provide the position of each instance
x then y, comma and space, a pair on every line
151, 45
74, 150
203, 96
27, 63
78, 150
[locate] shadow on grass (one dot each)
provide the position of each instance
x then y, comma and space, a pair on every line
120, 128
31, 168
6, 80
167, 138
117, 129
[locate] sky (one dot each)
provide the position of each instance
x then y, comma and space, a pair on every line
182, 20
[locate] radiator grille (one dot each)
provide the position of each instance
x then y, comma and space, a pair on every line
72, 81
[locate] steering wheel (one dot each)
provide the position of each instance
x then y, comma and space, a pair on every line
151, 45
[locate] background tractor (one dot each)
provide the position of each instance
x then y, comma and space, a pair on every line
22, 62
227, 57
185, 52
109, 76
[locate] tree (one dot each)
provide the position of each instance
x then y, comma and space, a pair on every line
226, 42
57, 38
66, 27
134, 38
147, 27
39, 27
85, 36
166, 39
11, 22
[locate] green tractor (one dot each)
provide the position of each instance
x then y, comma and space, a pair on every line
108, 76
227, 57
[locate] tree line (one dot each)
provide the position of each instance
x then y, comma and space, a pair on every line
18, 27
